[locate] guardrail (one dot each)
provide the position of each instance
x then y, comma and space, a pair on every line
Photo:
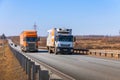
99, 54
105, 54
33, 71
81, 51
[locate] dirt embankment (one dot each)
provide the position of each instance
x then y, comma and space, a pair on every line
10, 68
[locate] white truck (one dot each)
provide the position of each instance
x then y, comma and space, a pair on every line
60, 40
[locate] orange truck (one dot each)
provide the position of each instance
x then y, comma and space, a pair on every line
29, 41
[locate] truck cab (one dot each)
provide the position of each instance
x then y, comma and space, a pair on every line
64, 43
29, 41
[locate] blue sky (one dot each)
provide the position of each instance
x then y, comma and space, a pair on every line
85, 17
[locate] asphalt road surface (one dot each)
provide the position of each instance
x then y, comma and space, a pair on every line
81, 67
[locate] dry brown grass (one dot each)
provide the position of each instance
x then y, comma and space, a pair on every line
42, 41
97, 42
10, 68
15, 39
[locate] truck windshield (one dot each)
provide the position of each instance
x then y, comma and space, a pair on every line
65, 38
31, 39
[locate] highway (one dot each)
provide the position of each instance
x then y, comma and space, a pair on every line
80, 67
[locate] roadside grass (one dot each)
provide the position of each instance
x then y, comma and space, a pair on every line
10, 68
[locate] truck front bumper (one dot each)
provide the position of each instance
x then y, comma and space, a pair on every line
31, 49
64, 50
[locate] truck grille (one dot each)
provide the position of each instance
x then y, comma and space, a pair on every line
32, 46
65, 45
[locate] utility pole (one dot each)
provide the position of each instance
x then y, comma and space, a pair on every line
35, 26
3, 38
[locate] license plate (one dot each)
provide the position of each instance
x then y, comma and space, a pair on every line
64, 49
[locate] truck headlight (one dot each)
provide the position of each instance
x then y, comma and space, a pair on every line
71, 50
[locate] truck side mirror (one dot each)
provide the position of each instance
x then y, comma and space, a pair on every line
74, 39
